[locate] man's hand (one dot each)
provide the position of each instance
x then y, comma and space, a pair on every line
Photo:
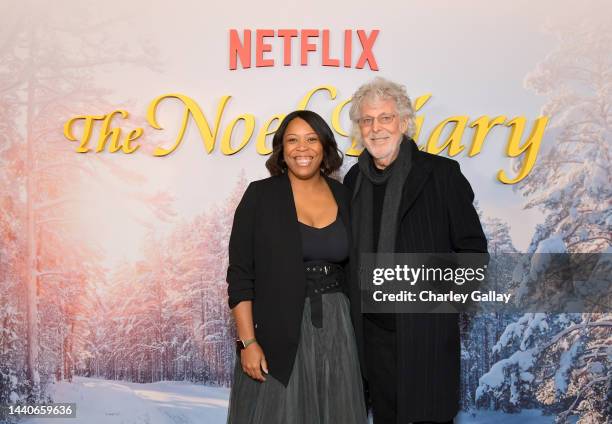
253, 362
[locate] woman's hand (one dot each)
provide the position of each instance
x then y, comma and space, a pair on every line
253, 361
252, 357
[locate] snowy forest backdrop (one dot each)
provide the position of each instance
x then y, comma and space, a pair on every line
64, 313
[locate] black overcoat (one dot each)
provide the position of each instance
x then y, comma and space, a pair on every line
266, 266
436, 215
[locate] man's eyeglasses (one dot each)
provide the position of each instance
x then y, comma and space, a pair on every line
367, 121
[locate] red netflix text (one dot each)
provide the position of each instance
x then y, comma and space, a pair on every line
241, 47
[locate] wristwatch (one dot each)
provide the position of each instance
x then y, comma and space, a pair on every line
243, 344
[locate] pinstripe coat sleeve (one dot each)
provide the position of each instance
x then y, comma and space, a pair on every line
466, 234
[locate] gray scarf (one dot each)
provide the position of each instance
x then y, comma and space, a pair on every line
395, 175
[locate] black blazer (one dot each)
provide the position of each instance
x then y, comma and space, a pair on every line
436, 215
266, 266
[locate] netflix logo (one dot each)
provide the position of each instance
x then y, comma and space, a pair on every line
255, 46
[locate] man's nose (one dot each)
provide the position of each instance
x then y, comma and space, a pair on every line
375, 125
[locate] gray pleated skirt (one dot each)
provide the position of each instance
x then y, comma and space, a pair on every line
325, 385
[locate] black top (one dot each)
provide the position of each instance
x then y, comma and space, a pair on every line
327, 244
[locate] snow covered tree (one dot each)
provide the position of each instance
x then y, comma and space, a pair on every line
548, 358
572, 182
498, 236
42, 83
166, 316
481, 332
561, 361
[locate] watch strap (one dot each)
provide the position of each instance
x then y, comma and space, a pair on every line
243, 344
247, 343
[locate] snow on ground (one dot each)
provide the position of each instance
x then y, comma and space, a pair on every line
532, 416
118, 402
174, 402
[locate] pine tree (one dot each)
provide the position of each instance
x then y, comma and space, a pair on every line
559, 361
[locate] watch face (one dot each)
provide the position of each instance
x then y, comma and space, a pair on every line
239, 344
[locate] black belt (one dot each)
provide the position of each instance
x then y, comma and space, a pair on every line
321, 278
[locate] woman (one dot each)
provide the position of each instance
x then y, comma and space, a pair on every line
289, 245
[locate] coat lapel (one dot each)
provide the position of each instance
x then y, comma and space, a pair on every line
293, 238
340, 199
419, 173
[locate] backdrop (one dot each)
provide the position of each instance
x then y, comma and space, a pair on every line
129, 131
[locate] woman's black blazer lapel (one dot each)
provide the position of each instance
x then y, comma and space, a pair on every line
290, 229
342, 197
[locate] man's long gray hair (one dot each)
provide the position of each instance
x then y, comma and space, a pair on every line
381, 89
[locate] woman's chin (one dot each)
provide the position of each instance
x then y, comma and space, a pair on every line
304, 173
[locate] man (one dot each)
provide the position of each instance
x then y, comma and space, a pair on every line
405, 200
